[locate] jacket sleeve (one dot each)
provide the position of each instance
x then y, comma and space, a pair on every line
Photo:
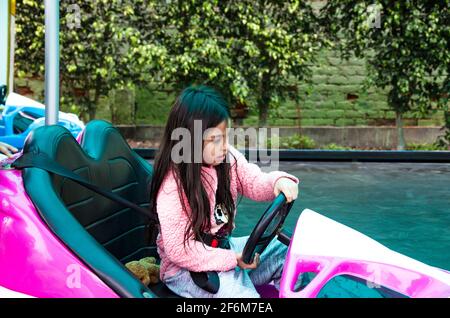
194, 255
254, 183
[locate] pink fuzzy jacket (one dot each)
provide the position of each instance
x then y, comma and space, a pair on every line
194, 255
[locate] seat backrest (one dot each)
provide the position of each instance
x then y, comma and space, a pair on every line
101, 232
22, 120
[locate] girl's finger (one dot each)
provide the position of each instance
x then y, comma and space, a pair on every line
295, 193
256, 260
294, 190
276, 191
5, 151
288, 195
12, 148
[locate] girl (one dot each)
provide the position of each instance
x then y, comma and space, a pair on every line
196, 200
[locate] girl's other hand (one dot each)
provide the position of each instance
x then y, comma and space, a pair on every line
288, 187
243, 265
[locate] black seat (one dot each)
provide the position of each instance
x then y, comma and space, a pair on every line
99, 231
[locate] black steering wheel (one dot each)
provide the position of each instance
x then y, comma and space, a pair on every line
267, 227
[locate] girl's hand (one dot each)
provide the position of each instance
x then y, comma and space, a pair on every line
7, 150
243, 265
288, 187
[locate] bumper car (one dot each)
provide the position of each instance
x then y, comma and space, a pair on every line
20, 115
59, 238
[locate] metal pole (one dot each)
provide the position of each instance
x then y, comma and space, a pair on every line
12, 44
4, 42
51, 61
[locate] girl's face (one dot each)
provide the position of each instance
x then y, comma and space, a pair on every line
215, 144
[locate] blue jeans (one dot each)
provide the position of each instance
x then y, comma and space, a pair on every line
236, 283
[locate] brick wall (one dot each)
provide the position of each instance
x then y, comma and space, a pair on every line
336, 98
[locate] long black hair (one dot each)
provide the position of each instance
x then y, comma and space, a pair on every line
208, 106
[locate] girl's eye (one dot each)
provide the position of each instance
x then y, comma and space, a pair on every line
216, 140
